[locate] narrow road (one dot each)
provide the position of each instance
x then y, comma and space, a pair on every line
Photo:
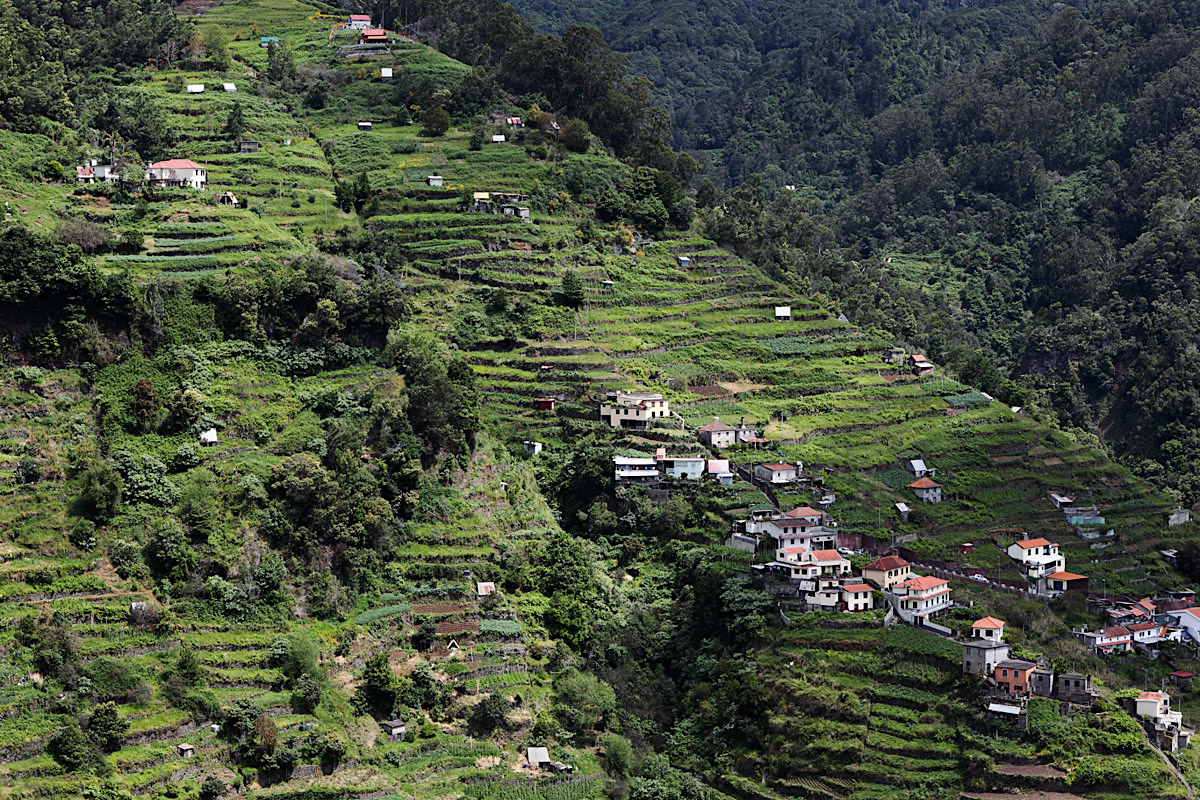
1191, 793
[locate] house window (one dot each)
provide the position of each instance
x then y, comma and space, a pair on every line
1004, 673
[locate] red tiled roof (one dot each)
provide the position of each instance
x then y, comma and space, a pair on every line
1066, 576
1038, 542
1114, 630
374, 32
1142, 626
802, 511
176, 163
716, 426
777, 467
988, 622
1182, 674
827, 555
1150, 696
84, 172
360, 17
923, 583
858, 587
923, 483
887, 563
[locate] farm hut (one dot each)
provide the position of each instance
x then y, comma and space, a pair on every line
783, 313
436, 181
484, 588
359, 22
684, 261
228, 199
532, 447
514, 122
247, 146
606, 286
385, 73
373, 36
395, 729
229, 87
545, 403
208, 438
538, 757
195, 88
185, 750
498, 138
903, 510
364, 126
1182, 678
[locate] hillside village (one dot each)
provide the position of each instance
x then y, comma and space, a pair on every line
888, 511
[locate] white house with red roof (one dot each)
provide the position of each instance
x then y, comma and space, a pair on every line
922, 595
851, 597
776, 473
807, 563
1151, 633
1062, 581
718, 434
718, 470
359, 22
887, 571
988, 628
1113, 639
927, 490
179, 172
1037, 557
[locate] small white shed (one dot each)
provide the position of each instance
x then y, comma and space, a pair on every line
385, 73
783, 313
435, 180
364, 126
498, 138
208, 438
195, 88
229, 87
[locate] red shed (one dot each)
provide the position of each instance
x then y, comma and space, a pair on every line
545, 403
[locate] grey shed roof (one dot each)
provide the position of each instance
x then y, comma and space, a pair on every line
537, 755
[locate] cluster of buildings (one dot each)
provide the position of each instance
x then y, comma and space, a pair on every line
174, 173
1142, 624
510, 204
824, 580
648, 471
915, 363
1008, 682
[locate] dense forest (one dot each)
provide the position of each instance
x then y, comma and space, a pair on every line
1037, 159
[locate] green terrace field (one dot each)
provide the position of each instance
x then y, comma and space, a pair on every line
854, 710
261, 416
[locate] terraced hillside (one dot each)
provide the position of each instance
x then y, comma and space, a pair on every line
339, 527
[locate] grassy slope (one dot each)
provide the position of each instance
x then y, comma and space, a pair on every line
815, 383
